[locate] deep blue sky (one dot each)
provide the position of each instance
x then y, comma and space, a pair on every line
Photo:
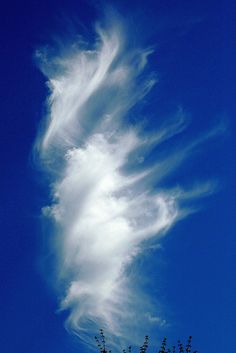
195, 61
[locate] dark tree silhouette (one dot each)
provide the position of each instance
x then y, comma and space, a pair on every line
180, 348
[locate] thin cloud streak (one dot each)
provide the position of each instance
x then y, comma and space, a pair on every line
104, 203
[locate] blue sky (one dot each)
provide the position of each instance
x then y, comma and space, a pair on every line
190, 278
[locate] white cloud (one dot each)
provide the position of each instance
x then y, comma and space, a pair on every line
103, 203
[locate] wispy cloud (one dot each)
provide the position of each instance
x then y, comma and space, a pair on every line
105, 198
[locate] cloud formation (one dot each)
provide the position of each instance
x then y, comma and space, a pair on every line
106, 203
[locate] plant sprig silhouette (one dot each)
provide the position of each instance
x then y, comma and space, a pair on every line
180, 348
